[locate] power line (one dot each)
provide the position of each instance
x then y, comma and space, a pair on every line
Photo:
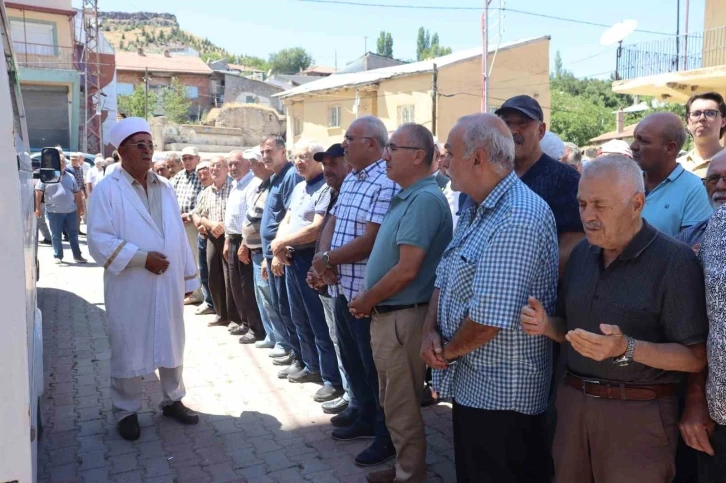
478, 9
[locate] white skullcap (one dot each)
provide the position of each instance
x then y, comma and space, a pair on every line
190, 151
98, 160
552, 145
202, 165
253, 153
615, 146
126, 128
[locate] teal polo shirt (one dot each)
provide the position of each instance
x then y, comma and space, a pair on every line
678, 202
419, 216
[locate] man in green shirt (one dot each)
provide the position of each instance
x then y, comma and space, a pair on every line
399, 281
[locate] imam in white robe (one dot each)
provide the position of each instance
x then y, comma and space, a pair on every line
145, 311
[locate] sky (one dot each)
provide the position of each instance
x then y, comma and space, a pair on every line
333, 32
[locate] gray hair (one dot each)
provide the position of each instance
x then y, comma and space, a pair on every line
498, 145
375, 129
308, 146
219, 159
627, 172
172, 156
575, 156
235, 153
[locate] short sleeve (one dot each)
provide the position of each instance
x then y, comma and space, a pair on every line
683, 316
199, 209
504, 274
696, 207
425, 217
288, 186
40, 186
76, 189
381, 201
323, 201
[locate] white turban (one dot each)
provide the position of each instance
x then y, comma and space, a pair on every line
126, 128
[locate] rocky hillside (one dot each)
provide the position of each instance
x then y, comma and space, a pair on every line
155, 32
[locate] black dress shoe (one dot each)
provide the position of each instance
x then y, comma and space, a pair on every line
181, 413
45, 241
345, 418
357, 431
377, 453
337, 405
129, 428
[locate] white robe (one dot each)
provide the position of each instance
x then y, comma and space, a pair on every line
145, 310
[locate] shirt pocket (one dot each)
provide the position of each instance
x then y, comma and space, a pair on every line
464, 268
636, 322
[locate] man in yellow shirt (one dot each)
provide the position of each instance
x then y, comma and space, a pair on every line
706, 121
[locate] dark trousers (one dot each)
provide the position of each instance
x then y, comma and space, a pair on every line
204, 269
356, 354
499, 446
712, 469
308, 315
242, 285
281, 304
219, 280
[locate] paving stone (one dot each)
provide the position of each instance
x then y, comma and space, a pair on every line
244, 458
130, 477
264, 445
150, 449
290, 475
310, 463
123, 463
193, 474
65, 474
277, 460
156, 467
96, 475
91, 443
213, 455
62, 456
223, 472
89, 414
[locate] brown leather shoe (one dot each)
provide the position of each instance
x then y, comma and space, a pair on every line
383, 476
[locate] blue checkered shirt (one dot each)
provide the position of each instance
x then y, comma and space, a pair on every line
503, 251
364, 197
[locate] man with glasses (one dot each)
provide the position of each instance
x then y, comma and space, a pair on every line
706, 121
674, 198
350, 233
134, 232
187, 186
399, 281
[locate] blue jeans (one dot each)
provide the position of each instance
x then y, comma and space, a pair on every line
354, 339
308, 315
281, 306
329, 307
264, 303
60, 222
204, 269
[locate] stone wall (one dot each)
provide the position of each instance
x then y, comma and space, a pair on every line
237, 89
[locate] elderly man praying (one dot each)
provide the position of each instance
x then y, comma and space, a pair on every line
136, 234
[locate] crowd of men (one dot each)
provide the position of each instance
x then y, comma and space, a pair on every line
358, 266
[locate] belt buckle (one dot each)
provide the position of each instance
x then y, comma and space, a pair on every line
584, 390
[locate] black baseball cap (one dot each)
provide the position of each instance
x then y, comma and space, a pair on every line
524, 104
334, 151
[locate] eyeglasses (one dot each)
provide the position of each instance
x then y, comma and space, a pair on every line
350, 139
390, 147
710, 114
142, 145
713, 179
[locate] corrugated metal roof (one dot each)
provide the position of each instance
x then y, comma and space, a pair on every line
376, 75
160, 63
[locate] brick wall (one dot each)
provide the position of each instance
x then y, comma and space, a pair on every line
203, 102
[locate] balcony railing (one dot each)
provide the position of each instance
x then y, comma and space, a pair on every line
685, 52
40, 56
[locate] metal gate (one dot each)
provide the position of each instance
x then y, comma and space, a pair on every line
47, 111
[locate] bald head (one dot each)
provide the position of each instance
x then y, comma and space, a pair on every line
657, 140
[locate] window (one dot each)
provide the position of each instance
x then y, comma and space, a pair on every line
406, 114
297, 127
249, 99
124, 89
33, 37
334, 116
192, 92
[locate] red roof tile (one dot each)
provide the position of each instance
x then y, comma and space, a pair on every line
185, 64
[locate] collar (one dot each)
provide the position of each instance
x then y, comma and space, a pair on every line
676, 172
499, 190
189, 174
418, 185
244, 178
539, 165
226, 185
151, 177
282, 173
362, 174
314, 180
637, 245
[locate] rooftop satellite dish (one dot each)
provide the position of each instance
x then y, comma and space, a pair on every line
618, 32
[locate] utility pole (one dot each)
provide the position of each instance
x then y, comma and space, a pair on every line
146, 93
434, 98
365, 45
485, 57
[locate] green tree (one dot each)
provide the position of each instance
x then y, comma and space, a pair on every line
161, 36
384, 45
290, 61
135, 104
123, 36
427, 45
175, 102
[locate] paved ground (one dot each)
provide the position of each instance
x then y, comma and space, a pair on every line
254, 427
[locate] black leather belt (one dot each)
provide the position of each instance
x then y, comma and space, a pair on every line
256, 251
385, 309
235, 237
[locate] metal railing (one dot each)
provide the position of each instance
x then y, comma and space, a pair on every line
41, 56
674, 54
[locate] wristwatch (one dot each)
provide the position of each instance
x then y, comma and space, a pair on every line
326, 260
450, 362
626, 358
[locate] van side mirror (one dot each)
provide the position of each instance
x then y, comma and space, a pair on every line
50, 166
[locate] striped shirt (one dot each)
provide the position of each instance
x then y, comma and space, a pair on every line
365, 197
